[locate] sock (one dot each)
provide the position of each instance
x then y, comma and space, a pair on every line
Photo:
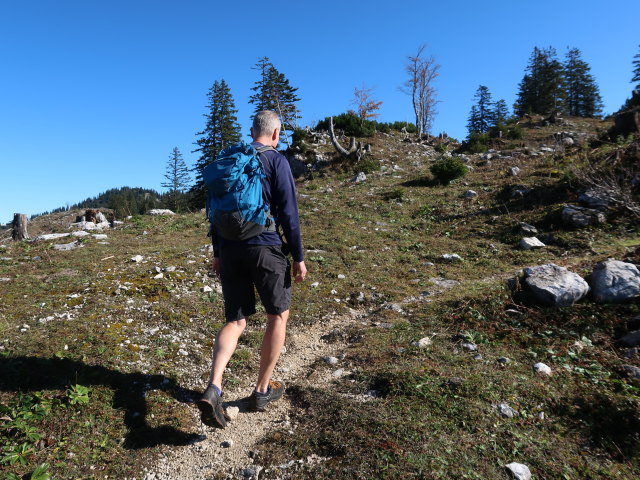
217, 389
263, 394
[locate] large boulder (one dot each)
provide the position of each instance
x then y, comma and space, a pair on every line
614, 281
555, 285
579, 217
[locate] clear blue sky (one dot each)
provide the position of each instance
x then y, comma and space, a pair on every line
95, 94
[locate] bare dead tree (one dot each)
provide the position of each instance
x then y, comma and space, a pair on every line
422, 72
356, 149
19, 224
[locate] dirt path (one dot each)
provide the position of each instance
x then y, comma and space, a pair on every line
230, 450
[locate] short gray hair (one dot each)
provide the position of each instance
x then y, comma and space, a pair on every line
265, 122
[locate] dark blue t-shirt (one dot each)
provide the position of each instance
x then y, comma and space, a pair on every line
279, 192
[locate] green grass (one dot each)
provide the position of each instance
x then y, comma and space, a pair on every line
125, 330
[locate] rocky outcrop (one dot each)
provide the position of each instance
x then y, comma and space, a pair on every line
614, 281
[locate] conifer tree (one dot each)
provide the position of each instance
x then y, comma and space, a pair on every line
178, 179
273, 92
541, 90
500, 112
582, 95
636, 69
482, 113
221, 130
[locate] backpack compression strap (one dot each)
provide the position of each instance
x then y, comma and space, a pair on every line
271, 225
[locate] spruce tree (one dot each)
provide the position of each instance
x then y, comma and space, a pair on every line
636, 69
273, 92
178, 179
500, 112
582, 95
541, 90
221, 130
482, 113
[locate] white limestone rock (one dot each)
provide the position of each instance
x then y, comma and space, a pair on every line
542, 369
555, 285
614, 281
529, 243
519, 471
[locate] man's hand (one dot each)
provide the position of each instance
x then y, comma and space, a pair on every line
299, 271
215, 266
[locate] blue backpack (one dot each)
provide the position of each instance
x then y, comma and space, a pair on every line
235, 206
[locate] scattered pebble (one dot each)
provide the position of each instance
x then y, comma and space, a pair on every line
423, 342
315, 284
519, 471
137, 258
542, 369
338, 373
341, 276
506, 411
227, 444
207, 289
232, 413
469, 346
503, 360
331, 360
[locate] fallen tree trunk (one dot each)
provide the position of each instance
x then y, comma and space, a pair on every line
19, 227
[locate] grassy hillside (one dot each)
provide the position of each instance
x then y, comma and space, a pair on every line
93, 318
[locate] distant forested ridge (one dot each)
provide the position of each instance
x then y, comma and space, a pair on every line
123, 201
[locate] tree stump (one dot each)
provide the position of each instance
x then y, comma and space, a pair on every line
19, 227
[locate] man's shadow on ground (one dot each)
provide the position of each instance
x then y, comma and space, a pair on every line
23, 374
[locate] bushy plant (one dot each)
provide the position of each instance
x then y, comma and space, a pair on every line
477, 143
350, 124
367, 165
448, 169
354, 126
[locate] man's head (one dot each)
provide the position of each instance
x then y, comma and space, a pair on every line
266, 128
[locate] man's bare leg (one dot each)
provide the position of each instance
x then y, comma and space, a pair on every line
226, 342
272, 344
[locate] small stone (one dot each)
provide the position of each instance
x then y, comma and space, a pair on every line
360, 177
503, 360
423, 342
249, 472
519, 471
540, 415
158, 276
137, 258
529, 243
315, 284
232, 413
183, 352
542, 369
331, 360
170, 269
477, 356
413, 270
451, 257
455, 382
207, 289
469, 346
338, 373
527, 229
506, 411
341, 276
514, 171
227, 443
470, 194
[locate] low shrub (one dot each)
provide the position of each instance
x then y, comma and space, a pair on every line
448, 169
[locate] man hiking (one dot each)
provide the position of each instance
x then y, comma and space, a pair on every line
258, 261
